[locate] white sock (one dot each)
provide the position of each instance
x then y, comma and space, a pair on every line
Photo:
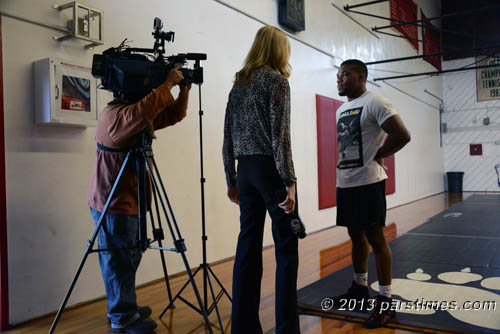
385, 290
361, 278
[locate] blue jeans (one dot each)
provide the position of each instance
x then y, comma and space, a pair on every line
119, 266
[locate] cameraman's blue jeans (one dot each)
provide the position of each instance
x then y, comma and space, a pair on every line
119, 266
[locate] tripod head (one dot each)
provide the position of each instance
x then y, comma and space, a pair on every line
144, 139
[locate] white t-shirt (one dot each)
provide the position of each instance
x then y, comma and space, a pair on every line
359, 137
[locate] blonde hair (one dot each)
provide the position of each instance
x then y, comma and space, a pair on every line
270, 48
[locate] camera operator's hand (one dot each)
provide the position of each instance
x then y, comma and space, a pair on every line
174, 76
185, 88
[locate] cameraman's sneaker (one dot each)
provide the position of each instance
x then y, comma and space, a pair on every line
381, 314
140, 326
356, 292
144, 312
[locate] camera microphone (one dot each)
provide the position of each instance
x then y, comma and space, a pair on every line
157, 24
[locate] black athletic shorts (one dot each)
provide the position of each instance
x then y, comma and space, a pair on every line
362, 207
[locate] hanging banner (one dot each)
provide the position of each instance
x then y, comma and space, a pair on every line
405, 10
488, 79
431, 41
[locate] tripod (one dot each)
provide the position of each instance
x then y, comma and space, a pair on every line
204, 267
143, 156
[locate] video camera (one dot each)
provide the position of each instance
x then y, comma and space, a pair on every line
136, 71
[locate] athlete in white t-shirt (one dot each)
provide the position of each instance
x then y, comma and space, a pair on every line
363, 123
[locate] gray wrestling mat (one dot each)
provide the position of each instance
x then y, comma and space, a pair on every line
450, 265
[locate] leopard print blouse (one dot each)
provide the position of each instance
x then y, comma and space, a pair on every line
257, 121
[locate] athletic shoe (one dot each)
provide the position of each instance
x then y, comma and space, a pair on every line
381, 314
356, 292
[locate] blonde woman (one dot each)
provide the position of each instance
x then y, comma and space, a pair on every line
257, 134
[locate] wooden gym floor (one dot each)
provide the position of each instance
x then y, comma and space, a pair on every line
91, 317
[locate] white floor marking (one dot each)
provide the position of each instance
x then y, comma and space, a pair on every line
443, 295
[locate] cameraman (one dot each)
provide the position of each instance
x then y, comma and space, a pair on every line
117, 127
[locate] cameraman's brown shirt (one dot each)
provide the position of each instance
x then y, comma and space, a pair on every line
116, 128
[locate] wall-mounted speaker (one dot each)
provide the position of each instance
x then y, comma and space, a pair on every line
291, 14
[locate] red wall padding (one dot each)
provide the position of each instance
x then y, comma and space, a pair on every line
328, 155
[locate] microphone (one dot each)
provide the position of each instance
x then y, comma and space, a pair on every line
298, 227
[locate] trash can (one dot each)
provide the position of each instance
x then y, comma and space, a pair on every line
455, 181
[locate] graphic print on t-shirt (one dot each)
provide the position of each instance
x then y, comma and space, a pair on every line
349, 138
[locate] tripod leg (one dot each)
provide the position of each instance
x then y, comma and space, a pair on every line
177, 238
165, 274
215, 304
197, 293
179, 294
220, 284
142, 195
162, 255
89, 246
72, 285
